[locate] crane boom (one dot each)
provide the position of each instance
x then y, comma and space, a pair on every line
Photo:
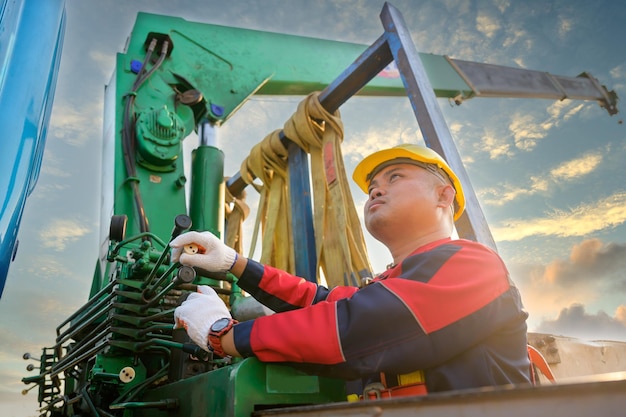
487, 80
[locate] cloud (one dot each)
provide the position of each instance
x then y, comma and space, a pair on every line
574, 321
502, 5
592, 270
589, 260
567, 171
543, 298
564, 109
377, 138
512, 37
104, 61
496, 145
505, 193
77, 125
460, 7
523, 131
527, 131
578, 221
40, 311
577, 167
46, 266
54, 166
487, 25
58, 233
618, 72
12, 403
565, 26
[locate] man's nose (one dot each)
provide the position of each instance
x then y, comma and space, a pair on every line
375, 192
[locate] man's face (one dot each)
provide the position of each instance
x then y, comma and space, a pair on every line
401, 197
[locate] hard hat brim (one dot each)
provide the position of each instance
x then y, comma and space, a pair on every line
361, 174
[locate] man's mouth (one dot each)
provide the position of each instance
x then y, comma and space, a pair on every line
374, 203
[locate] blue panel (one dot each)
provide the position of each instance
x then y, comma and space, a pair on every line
30, 51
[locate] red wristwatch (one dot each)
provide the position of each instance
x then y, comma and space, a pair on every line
217, 330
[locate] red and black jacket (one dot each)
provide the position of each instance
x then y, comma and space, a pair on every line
448, 309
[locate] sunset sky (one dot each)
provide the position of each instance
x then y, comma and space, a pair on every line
549, 175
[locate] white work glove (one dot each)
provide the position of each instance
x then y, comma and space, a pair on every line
198, 313
204, 250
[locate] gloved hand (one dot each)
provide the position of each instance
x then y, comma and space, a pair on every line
198, 313
217, 257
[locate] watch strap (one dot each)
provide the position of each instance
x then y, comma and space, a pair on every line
215, 342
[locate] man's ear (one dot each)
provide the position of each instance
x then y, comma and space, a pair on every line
446, 195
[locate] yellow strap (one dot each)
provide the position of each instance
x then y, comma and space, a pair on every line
341, 251
236, 211
411, 378
268, 162
340, 245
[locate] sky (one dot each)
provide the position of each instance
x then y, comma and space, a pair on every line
548, 174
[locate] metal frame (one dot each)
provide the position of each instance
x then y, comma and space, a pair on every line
482, 80
394, 44
472, 224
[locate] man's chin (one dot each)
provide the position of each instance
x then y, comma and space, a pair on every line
376, 227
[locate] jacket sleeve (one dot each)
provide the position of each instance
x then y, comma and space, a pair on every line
281, 291
408, 322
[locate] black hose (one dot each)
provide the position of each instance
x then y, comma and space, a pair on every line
128, 131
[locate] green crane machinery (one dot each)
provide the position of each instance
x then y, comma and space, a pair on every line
118, 355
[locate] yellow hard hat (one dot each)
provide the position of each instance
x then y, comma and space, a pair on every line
364, 170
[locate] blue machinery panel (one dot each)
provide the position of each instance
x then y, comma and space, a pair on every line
31, 38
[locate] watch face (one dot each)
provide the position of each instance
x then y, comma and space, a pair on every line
220, 324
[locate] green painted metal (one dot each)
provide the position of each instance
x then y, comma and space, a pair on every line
156, 187
159, 136
207, 189
443, 78
209, 72
239, 389
228, 64
107, 370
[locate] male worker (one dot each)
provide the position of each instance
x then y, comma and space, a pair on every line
445, 307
